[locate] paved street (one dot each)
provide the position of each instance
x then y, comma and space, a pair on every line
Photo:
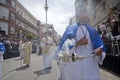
12, 70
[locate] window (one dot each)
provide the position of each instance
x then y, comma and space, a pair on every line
12, 16
17, 22
4, 13
0, 28
3, 1
17, 34
103, 5
95, 15
12, 30
13, 4
50, 29
4, 26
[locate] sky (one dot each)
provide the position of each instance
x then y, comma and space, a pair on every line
59, 12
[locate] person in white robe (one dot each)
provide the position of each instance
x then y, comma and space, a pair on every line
87, 41
21, 49
61, 63
38, 49
2, 51
27, 53
48, 47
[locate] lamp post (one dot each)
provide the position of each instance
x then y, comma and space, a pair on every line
46, 9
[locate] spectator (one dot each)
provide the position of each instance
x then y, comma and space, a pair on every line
2, 50
115, 26
98, 29
103, 27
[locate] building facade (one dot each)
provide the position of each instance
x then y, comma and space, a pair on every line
101, 10
49, 30
16, 22
72, 20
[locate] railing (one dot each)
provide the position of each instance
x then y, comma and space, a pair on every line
4, 3
25, 20
113, 47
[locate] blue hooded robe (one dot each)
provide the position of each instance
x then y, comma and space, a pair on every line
2, 47
71, 33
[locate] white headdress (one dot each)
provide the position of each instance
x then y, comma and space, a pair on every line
81, 9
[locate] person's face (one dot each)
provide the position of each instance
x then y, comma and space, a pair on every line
81, 13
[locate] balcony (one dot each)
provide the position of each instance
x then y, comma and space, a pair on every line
3, 2
4, 18
26, 21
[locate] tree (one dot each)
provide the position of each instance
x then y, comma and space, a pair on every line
30, 36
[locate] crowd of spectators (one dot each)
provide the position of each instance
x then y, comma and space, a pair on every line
110, 28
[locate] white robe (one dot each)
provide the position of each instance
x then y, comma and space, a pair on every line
87, 69
21, 50
47, 53
1, 61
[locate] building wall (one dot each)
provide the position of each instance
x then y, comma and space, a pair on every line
72, 20
102, 11
99, 10
25, 19
49, 29
26, 14
16, 20
4, 16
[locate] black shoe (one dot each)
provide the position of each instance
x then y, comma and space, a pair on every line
48, 68
27, 65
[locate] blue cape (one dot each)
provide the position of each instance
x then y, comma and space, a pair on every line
71, 33
2, 47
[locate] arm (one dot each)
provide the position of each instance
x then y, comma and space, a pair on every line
100, 50
2, 49
63, 39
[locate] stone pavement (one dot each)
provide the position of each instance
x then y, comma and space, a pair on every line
12, 70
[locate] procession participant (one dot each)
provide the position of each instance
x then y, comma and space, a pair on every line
27, 53
87, 40
2, 51
21, 49
48, 46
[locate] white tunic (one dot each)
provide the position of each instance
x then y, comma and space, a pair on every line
21, 50
47, 51
1, 61
86, 69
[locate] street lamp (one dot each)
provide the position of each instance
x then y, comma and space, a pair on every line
46, 9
